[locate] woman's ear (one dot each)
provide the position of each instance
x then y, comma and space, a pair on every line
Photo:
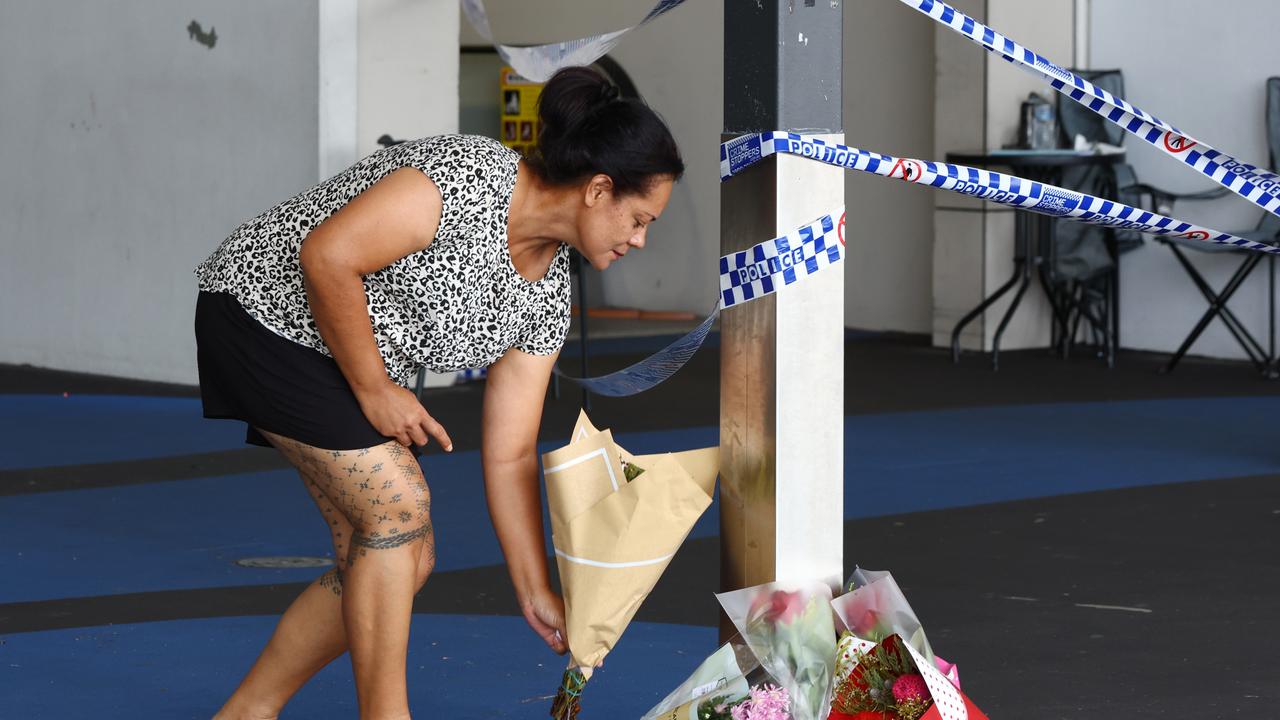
599, 187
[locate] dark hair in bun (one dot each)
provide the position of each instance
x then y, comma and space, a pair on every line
588, 129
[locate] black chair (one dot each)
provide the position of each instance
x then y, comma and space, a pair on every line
1083, 260
1266, 231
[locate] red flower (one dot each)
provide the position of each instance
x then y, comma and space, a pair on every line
777, 608
910, 687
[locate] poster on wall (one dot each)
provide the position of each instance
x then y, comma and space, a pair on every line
519, 108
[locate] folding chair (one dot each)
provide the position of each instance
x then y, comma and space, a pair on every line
1084, 259
1267, 231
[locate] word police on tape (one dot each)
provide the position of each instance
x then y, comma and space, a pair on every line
742, 152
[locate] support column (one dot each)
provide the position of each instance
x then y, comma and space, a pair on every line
338, 95
782, 356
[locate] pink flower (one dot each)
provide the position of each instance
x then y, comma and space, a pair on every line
767, 702
910, 687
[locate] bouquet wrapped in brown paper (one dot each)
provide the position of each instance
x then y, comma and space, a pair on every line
616, 521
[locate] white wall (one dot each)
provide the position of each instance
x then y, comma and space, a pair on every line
128, 151
1217, 99
407, 68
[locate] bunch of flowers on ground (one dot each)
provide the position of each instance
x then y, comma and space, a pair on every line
790, 628
879, 683
787, 663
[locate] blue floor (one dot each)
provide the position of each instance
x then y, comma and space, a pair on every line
188, 533
460, 667
932, 460
44, 430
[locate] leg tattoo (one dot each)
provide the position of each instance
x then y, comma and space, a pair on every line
333, 581
366, 504
395, 540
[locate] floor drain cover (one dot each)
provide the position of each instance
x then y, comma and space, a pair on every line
285, 562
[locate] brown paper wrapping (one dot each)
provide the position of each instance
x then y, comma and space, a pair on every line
612, 538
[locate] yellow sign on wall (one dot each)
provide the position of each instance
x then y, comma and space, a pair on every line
519, 106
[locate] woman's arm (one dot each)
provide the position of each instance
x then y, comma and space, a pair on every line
397, 216
514, 392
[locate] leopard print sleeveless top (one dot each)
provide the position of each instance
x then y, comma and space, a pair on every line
460, 303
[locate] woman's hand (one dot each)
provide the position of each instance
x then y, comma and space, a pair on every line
395, 412
544, 611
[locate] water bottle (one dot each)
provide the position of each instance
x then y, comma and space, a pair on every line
1039, 129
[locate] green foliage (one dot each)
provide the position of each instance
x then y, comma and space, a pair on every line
707, 708
631, 471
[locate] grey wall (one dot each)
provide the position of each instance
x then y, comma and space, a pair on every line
1215, 98
130, 150
888, 108
677, 63
127, 152
479, 94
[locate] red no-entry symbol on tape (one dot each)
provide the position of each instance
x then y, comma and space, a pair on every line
1176, 143
840, 228
909, 170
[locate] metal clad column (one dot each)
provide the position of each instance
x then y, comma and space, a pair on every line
782, 356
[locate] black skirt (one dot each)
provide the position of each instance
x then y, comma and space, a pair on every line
249, 373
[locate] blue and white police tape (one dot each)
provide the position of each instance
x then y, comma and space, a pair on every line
742, 152
744, 276
1248, 181
540, 62
761, 269
652, 370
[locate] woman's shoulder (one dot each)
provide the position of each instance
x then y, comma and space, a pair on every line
474, 175
478, 168
462, 150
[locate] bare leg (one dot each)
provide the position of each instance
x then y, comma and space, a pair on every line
396, 545
305, 640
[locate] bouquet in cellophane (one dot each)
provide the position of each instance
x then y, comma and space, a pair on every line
616, 521
787, 663
886, 669
730, 680
789, 628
